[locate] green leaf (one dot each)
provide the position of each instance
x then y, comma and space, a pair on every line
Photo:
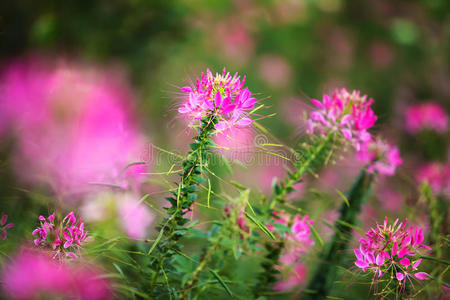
156, 241
261, 226
224, 285
316, 235
343, 197
237, 185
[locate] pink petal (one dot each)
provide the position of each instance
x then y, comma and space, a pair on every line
400, 276
405, 262
347, 133
421, 275
417, 263
361, 264
380, 260
8, 226
186, 89
4, 219
244, 122
316, 103
3, 235
394, 249
403, 252
358, 254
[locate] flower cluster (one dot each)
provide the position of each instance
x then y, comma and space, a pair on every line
297, 240
221, 95
393, 249
381, 157
437, 175
348, 113
4, 226
33, 274
426, 116
63, 238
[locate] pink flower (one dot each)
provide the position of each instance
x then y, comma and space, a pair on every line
135, 218
349, 114
63, 238
274, 70
291, 277
34, 274
4, 226
426, 116
392, 246
76, 119
381, 157
437, 175
221, 95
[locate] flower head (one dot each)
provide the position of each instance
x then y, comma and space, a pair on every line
221, 95
437, 175
64, 238
35, 275
381, 157
392, 248
4, 226
347, 113
426, 116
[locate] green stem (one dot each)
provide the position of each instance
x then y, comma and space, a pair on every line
316, 155
172, 226
324, 277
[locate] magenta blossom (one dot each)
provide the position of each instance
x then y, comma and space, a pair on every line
221, 95
297, 242
347, 113
63, 238
426, 116
75, 118
135, 217
392, 248
35, 275
437, 175
4, 226
380, 157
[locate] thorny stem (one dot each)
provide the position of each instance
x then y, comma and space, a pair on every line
172, 226
323, 279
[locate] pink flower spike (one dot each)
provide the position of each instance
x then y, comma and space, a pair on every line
421, 275
400, 276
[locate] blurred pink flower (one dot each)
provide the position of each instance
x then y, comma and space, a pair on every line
234, 40
350, 114
274, 70
135, 217
381, 54
33, 275
75, 119
291, 277
235, 143
437, 175
4, 226
426, 116
64, 238
381, 157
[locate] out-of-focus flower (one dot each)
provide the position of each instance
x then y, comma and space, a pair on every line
4, 226
135, 217
392, 247
381, 54
426, 116
64, 238
347, 113
221, 95
274, 70
296, 233
235, 143
34, 274
381, 157
291, 277
437, 175
76, 119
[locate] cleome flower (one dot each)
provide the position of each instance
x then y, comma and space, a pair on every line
394, 250
4, 226
297, 242
380, 156
221, 95
426, 116
347, 113
64, 238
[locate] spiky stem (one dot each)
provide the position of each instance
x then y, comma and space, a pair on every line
172, 227
324, 277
